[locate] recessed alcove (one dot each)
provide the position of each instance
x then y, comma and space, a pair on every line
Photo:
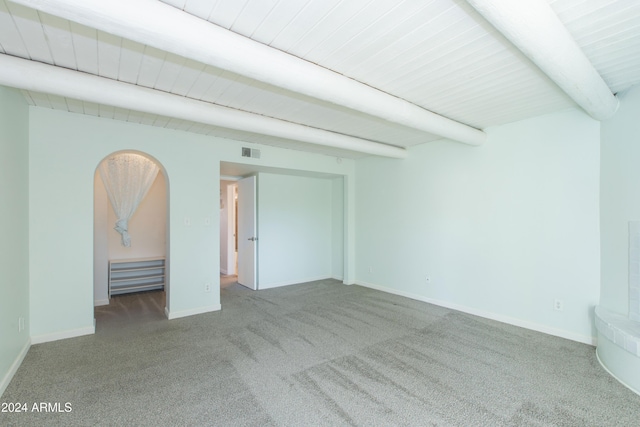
141, 265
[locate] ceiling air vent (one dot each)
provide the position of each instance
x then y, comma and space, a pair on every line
250, 152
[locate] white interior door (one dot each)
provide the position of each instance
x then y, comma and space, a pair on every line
247, 238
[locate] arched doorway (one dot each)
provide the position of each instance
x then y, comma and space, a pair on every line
141, 266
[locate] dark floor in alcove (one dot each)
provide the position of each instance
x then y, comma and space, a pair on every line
142, 306
130, 308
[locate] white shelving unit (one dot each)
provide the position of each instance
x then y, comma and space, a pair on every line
136, 275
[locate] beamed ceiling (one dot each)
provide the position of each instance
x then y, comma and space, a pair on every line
439, 55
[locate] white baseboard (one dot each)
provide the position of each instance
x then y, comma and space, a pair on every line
100, 302
191, 312
338, 278
263, 286
223, 272
489, 315
39, 339
14, 367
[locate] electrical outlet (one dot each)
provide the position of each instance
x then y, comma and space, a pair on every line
558, 305
428, 280
370, 269
207, 287
187, 221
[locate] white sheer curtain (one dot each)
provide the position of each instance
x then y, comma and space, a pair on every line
127, 178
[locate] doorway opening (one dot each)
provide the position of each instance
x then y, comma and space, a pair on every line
228, 232
298, 230
131, 239
238, 236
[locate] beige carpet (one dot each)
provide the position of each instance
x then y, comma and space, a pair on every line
315, 354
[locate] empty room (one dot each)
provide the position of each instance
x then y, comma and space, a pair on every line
320, 212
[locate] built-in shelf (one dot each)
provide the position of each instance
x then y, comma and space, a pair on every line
136, 275
619, 346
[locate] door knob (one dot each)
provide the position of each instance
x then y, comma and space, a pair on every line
253, 239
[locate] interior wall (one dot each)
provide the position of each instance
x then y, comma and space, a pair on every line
65, 149
337, 228
294, 229
147, 227
14, 232
100, 242
502, 230
620, 198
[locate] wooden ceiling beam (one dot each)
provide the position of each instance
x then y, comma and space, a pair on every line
162, 26
534, 28
35, 76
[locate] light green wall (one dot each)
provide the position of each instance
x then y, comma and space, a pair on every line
337, 228
14, 232
502, 230
620, 198
66, 148
294, 225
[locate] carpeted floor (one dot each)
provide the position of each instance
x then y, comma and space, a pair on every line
319, 353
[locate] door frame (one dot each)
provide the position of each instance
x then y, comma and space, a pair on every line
233, 170
228, 247
248, 232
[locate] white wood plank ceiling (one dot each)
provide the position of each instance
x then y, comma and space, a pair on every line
439, 54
